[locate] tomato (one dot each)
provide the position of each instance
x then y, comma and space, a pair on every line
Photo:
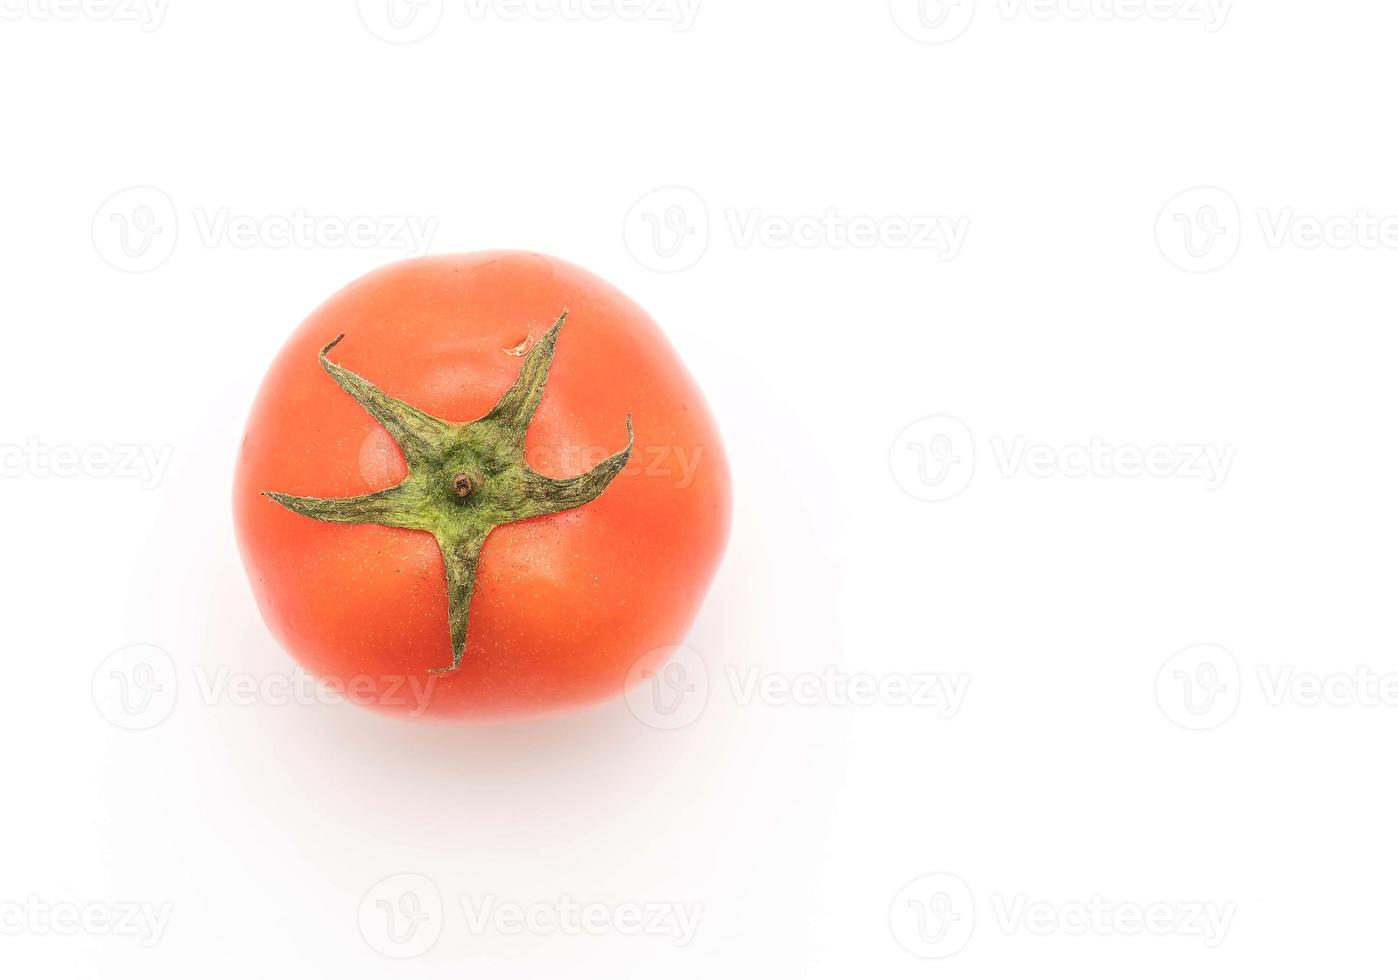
445, 513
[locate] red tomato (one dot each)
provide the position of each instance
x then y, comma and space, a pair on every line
495, 459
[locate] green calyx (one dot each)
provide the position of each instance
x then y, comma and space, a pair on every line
464, 479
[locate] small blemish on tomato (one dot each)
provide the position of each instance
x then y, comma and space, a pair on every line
521, 348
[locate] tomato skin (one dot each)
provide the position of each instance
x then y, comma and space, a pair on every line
564, 605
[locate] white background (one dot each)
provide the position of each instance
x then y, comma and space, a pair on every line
1165, 708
